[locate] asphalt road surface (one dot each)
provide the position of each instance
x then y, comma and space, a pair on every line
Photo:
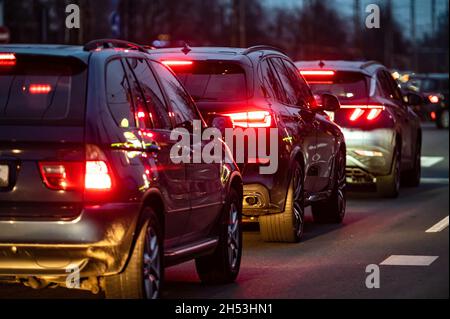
331, 261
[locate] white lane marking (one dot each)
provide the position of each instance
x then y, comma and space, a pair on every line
428, 161
405, 260
432, 180
443, 224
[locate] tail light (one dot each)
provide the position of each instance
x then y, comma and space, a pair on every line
62, 175
369, 112
251, 119
7, 59
433, 116
433, 99
92, 174
40, 88
97, 176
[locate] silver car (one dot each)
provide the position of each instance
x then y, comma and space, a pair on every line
382, 132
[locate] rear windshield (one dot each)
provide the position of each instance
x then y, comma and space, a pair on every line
213, 81
345, 85
45, 90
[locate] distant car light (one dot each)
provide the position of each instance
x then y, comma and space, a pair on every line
7, 59
433, 99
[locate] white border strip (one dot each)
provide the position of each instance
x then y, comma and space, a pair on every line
443, 224
405, 260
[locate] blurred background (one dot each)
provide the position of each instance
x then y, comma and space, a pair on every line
413, 33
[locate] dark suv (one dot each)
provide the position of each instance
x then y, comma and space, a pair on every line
89, 195
261, 88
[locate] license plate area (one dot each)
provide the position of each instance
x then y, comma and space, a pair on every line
4, 175
7, 175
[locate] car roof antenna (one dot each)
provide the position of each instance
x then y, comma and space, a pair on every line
321, 64
186, 48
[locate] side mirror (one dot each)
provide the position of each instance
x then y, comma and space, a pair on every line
414, 99
327, 102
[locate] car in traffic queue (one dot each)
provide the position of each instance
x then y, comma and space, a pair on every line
382, 132
88, 188
260, 88
435, 92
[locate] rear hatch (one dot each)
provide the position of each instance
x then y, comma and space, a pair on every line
352, 90
42, 154
223, 87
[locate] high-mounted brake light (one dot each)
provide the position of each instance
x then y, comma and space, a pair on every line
177, 62
251, 119
317, 72
7, 59
40, 88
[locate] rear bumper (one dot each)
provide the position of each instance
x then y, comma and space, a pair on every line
269, 191
96, 243
369, 154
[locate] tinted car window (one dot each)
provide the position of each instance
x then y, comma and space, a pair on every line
183, 108
289, 89
271, 82
213, 80
386, 88
346, 86
152, 95
396, 93
302, 91
44, 90
119, 95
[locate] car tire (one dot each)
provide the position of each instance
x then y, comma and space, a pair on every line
143, 275
389, 186
332, 210
442, 122
411, 178
287, 226
223, 265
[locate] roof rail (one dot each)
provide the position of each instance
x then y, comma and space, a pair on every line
368, 63
262, 47
113, 43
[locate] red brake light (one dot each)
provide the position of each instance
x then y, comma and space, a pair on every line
7, 59
177, 62
62, 175
371, 112
357, 113
40, 88
69, 175
141, 114
251, 119
433, 116
433, 99
317, 72
97, 176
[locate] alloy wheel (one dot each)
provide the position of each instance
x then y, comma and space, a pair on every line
152, 265
233, 236
299, 210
